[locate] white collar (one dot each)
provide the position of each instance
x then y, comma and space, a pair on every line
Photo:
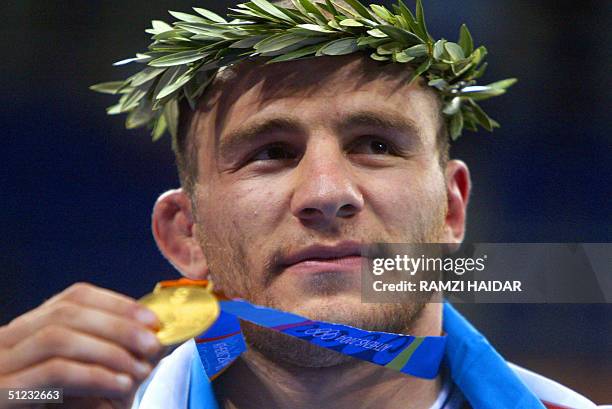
168, 387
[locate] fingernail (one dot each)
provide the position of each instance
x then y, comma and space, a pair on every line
142, 369
147, 317
147, 341
124, 381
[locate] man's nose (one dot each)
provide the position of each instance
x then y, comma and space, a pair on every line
325, 187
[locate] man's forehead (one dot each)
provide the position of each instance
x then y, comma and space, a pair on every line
307, 76
351, 82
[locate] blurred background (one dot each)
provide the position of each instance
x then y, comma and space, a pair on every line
76, 189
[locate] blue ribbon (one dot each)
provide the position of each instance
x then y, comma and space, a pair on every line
223, 342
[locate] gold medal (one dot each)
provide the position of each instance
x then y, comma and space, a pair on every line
184, 308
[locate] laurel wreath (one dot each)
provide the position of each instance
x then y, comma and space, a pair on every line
184, 57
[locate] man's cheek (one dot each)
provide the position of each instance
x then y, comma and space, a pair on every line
234, 250
394, 206
410, 214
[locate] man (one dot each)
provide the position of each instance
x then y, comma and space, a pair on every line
287, 170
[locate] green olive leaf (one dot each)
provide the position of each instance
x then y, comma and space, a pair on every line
349, 22
416, 51
171, 114
340, 47
454, 51
360, 9
503, 84
210, 15
176, 59
456, 125
398, 34
159, 127
271, 9
297, 54
378, 57
112, 87
383, 13
315, 28
402, 57
188, 18
465, 40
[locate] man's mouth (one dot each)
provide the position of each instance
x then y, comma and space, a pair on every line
342, 257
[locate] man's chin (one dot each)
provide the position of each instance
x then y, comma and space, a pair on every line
338, 308
348, 309
330, 296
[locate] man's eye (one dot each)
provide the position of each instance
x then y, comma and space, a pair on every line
372, 146
274, 152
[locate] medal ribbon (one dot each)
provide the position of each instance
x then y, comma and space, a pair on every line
223, 342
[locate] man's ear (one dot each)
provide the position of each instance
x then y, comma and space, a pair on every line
174, 231
458, 188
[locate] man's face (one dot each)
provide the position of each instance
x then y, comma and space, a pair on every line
301, 163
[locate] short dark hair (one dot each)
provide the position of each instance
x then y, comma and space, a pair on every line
185, 149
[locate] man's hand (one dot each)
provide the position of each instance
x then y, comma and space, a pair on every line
95, 344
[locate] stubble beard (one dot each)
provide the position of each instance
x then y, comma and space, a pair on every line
290, 351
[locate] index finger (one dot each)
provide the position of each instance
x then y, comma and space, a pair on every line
99, 298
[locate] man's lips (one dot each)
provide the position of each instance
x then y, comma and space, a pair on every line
341, 257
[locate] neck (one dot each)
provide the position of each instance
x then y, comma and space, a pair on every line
254, 381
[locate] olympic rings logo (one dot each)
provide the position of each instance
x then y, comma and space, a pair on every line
323, 333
